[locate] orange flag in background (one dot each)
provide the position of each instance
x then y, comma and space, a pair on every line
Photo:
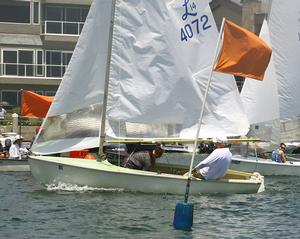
243, 53
35, 105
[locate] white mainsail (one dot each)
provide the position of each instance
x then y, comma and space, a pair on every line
157, 78
277, 96
161, 56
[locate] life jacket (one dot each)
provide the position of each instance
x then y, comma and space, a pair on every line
276, 156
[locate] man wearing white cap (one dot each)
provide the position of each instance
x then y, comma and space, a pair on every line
216, 164
15, 150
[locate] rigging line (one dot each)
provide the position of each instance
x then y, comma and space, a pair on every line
117, 19
269, 7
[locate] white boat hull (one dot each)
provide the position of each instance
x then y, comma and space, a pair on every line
55, 170
265, 167
14, 165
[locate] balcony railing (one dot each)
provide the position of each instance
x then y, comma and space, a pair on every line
62, 27
32, 70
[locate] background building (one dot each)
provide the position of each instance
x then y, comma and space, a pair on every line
37, 38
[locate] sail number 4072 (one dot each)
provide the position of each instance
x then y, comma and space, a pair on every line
194, 27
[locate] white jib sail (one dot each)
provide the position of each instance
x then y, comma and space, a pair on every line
73, 120
161, 56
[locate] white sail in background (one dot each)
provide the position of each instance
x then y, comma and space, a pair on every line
284, 24
261, 101
260, 98
277, 96
161, 56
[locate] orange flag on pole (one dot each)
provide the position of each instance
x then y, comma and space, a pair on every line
243, 53
35, 105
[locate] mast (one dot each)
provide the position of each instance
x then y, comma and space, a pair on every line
107, 75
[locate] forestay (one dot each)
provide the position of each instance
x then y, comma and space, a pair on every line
161, 56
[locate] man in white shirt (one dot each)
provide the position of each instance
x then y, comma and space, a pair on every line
217, 163
15, 150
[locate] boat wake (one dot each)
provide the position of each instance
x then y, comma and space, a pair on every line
67, 187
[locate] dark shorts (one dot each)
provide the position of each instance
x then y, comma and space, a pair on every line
131, 165
198, 175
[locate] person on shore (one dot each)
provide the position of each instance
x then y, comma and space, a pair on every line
15, 150
144, 160
2, 114
2, 153
217, 163
278, 155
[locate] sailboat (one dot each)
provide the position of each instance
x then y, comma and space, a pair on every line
277, 97
11, 165
138, 73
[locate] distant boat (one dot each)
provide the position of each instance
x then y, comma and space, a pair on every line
11, 165
14, 165
277, 97
7, 138
179, 148
135, 64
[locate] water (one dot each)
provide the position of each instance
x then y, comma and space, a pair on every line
27, 210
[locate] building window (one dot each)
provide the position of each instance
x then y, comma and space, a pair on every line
26, 63
36, 13
18, 62
72, 17
11, 97
64, 20
57, 62
39, 63
39, 92
15, 11
10, 58
31, 62
50, 93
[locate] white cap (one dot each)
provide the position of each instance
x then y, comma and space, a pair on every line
220, 139
18, 137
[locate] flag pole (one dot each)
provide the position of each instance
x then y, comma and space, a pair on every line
183, 217
20, 115
203, 106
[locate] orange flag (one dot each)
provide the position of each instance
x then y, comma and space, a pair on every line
243, 53
35, 105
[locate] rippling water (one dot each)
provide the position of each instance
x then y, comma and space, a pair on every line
27, 210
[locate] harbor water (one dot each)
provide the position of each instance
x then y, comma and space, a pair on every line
28, 210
